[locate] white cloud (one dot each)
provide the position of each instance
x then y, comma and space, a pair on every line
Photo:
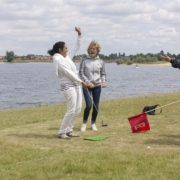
164, 32
131, 26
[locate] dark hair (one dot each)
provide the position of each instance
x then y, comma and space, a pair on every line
56, 47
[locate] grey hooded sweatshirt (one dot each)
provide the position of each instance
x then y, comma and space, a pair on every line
92, 70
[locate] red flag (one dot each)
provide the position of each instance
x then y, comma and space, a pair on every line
139, 123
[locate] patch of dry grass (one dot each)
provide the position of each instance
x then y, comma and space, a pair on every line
30, 149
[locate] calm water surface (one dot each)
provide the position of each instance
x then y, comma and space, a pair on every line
36, 84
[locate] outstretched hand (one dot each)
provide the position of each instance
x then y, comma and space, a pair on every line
78, 30
165, 58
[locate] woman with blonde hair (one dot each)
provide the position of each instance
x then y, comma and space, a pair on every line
92, 72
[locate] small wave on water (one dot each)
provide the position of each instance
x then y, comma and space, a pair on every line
37, 84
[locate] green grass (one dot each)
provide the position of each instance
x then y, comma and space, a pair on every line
30, 149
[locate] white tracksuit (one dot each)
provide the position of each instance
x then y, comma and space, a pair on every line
71, 88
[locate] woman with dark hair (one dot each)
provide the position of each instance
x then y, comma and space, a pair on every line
92, 71
174, 62
70, 85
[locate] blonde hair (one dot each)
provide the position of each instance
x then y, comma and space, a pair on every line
94, 44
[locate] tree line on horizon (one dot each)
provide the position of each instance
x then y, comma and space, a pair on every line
122, 58
119, 58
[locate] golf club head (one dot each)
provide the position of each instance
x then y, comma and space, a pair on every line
104, 125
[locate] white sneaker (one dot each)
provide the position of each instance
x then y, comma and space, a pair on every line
83, 128
94, 128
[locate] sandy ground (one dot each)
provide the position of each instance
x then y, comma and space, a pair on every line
160, 65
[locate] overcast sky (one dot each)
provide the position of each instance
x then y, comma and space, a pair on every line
130, 26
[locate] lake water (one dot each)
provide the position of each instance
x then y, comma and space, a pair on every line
36, 84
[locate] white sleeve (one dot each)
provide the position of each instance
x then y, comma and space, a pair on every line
68, 72
77, 47
55, 63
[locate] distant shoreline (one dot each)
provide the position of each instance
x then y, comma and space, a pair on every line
155, 64
134, 64
22, 62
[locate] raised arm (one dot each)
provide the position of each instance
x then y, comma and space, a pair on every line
78, 42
